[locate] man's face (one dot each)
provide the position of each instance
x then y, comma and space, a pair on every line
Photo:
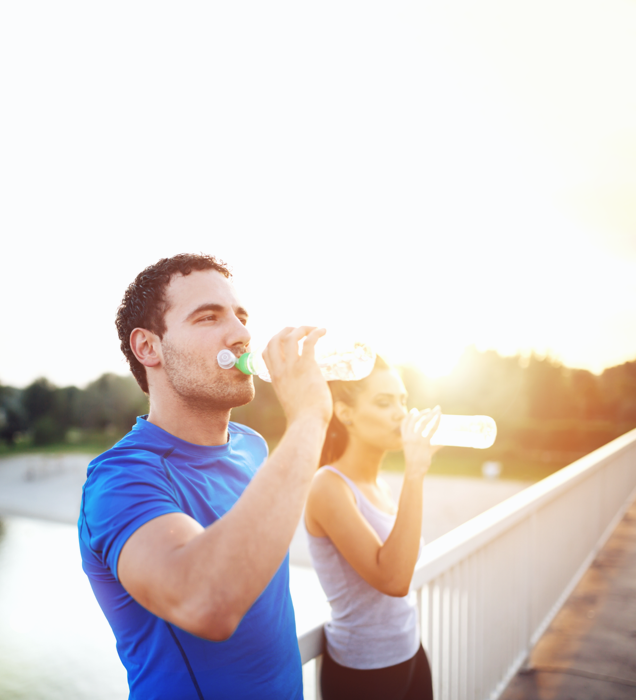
205, 316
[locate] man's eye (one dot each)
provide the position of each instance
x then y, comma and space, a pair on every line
208, 318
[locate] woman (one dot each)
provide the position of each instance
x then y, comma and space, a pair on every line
364, 549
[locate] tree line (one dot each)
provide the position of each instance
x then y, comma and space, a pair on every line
43, 414
543, 409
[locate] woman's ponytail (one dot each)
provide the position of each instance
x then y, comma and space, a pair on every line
337, 434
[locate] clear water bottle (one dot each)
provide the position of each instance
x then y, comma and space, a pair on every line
465, 431
346, 362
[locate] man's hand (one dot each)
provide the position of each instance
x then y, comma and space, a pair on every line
296, 377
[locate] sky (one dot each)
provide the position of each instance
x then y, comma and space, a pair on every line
420, 175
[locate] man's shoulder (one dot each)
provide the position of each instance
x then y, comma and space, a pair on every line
127, 455
249, 442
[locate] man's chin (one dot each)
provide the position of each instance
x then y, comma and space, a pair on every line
239, 393
244, 397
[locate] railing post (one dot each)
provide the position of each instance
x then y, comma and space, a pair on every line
530, 589
317, 672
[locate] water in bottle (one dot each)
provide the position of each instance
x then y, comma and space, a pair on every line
349, 361
465, 431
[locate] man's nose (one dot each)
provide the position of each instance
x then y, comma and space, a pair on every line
239, 335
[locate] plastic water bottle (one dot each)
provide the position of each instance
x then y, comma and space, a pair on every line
348, 362
465, 431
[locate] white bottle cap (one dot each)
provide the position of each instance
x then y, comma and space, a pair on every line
226, 359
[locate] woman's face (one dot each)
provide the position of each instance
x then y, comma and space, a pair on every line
378, 411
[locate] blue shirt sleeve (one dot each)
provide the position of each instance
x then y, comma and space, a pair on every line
121, 494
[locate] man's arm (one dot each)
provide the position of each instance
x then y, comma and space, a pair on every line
204, 580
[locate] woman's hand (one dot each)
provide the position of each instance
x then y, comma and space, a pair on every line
418, 428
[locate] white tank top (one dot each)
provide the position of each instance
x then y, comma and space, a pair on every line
368, 629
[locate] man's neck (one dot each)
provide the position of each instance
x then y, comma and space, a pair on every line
190, 423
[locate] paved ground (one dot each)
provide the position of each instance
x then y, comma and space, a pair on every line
50, 487
589, 650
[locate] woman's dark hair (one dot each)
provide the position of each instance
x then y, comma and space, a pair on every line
144, 304
337, 434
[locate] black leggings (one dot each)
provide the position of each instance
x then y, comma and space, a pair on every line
409, 680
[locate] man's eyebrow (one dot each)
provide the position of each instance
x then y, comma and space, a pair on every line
388, 395
219, 308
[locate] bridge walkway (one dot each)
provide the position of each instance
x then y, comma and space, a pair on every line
589, 650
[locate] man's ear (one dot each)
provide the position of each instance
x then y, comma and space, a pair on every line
146, 347
342, 412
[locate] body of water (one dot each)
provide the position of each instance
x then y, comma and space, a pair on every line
55, 643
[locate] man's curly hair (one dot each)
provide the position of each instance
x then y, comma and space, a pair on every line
144, 304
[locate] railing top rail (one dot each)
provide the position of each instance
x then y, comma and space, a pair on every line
311, 644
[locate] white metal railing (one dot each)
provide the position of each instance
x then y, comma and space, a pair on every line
488, 589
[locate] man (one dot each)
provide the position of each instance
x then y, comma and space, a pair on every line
185, 523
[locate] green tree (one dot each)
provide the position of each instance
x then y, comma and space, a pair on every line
264, 414
618, 389
39, 401
13, 418
111, 403
547, 390
586, 396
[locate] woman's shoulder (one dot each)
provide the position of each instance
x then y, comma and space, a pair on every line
330, 497
328, 485
329, 478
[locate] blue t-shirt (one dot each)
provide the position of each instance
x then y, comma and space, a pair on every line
151, 473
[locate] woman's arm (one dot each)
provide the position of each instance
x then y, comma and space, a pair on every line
331, 509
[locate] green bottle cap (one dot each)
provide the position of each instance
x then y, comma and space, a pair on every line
246, 363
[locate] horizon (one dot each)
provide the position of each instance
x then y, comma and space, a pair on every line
521, 357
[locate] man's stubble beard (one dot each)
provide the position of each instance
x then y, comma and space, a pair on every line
198, 385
